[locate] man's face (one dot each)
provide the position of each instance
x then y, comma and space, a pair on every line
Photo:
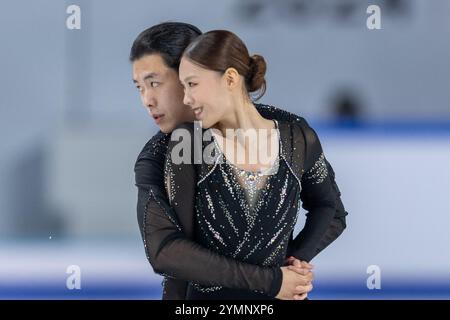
161, 92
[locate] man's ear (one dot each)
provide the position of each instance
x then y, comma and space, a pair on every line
231, 77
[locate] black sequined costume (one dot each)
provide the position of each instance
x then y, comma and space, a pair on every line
240, 244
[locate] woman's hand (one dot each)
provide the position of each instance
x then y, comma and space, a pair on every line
297, 280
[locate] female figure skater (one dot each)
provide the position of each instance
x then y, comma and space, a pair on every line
244, 210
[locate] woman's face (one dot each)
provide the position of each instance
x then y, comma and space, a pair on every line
206, 92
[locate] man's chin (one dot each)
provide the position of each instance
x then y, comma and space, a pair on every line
165, 130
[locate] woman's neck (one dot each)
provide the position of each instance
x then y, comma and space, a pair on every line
242, 147
244, 116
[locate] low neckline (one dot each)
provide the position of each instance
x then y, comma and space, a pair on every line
252, 184
258, 173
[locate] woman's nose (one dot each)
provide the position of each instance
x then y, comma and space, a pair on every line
187, 100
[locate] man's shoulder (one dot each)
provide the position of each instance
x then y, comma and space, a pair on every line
150, 161
156, 146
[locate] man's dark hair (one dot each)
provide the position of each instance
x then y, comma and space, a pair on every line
169, 39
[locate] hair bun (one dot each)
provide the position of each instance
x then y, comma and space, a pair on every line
256, 72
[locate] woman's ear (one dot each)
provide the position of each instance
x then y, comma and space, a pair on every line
231, 77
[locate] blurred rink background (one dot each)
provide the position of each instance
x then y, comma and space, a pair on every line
72, 125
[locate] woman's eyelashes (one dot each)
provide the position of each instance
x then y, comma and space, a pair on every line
191, 84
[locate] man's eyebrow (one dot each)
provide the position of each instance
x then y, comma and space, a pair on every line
148, 76
151, 75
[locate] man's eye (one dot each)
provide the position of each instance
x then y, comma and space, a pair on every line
191, 84
154, 84
139, 89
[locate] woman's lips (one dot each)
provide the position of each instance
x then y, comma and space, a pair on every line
198, 111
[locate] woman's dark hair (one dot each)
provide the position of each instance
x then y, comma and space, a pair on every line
169, 39
219, 50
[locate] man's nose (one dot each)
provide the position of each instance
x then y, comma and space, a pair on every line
148, 99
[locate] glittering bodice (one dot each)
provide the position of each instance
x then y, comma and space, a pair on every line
244, 215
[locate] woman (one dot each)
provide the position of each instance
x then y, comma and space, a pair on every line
246, 210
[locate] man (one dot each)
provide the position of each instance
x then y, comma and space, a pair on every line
155, 56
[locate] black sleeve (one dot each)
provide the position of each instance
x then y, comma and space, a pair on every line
174, 255
149, 171
338, 224
319, 197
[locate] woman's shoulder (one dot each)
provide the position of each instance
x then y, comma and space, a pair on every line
303, 133
284, 117
308, 132
273, 112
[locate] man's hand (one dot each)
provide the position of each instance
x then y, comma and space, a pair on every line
297, 279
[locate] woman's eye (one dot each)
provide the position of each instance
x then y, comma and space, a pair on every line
191, 84
154, 84
139, 89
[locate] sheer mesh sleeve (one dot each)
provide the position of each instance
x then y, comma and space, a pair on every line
320, 198
173, 254
338, 224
